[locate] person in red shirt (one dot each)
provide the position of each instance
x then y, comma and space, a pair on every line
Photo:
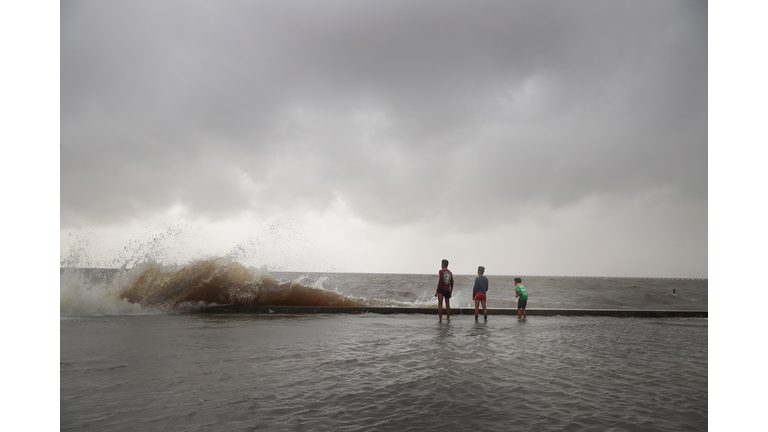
444, 290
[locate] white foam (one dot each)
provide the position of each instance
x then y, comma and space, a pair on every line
318, 284
81, 297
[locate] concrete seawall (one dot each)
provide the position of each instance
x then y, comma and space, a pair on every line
305, 310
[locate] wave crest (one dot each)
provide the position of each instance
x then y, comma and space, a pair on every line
220, 281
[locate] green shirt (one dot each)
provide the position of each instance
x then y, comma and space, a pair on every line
523, 293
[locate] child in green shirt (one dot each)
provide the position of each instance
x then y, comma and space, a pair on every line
522, 297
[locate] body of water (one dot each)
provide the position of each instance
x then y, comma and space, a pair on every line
136, 356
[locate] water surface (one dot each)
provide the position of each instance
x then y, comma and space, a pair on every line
382, 372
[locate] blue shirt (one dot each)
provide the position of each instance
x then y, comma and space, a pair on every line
481, 285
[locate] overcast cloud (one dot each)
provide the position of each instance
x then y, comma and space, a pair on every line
575, 130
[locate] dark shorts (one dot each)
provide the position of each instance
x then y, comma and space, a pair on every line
522, 303
446, 294
480, 296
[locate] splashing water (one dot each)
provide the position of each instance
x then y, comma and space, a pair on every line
221, 281
150, 287
80, 295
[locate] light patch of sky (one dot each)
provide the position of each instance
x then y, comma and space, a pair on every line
523, 96
588, 238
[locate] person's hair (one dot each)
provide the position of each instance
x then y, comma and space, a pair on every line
445, 263
481, 269
518, 280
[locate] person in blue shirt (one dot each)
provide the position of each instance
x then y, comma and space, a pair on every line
479, 292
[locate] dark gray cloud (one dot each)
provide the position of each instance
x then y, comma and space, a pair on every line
395, 107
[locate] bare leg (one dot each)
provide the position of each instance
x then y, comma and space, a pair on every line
448, 308
519, 313
440, 306
477, 306
485, 311
524, 315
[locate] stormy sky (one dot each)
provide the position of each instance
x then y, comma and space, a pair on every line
532, 137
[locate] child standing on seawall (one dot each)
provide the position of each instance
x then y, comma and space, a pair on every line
522, 297
444, 290
479, 292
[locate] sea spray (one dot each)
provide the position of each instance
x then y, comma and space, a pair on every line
151, 287
81, 295
154, 272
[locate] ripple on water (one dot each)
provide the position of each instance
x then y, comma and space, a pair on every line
384, 372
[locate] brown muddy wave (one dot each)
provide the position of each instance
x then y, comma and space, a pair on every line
221, 282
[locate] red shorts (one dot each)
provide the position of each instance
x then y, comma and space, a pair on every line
480, 296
